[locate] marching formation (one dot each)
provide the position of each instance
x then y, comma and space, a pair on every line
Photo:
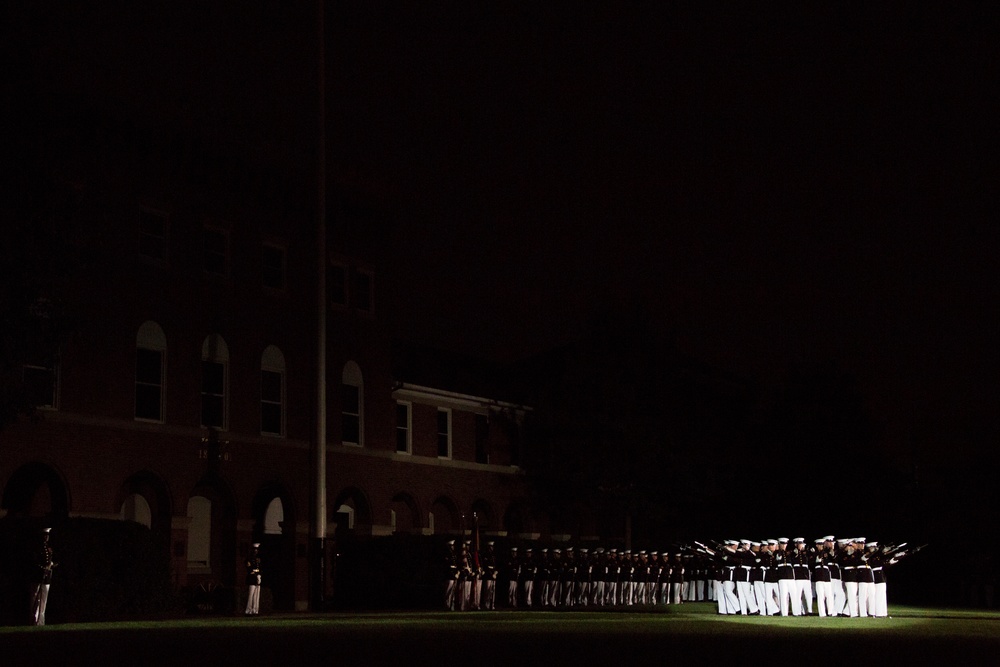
844, 577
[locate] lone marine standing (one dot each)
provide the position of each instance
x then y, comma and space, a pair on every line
253, 580
42, 578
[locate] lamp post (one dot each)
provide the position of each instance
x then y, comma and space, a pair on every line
318, 541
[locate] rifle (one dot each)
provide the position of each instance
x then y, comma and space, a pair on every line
698, 547
899, 552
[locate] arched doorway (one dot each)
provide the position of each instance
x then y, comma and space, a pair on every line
447, 518
212, 535
274, 528
143, 498
352, 513
36, 491
484, 516
405, 514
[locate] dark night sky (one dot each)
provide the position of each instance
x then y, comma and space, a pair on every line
808, 185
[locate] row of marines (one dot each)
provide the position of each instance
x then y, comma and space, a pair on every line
845, 577
541, 578
771, 577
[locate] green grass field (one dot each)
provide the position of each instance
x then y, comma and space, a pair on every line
691, 632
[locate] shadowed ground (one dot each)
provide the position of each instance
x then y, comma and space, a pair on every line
691, 632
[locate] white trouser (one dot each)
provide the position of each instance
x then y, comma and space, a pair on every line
824, 598
449, 594
512, 593
760, 595
788, 594
675, 593
881, 601
253, 599
839, 597
39, 600
489, 594
771, 598
529, 589
729, 593
851, 590
866, 598
465, 595
597, 598
477, 593
806, 593
744, 590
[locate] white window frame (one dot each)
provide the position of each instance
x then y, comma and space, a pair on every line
52, 370
151, 337
409, 427
353, 377
273, 361
437, 429
220, 356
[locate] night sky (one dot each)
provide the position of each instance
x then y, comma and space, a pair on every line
810, 186
777, 187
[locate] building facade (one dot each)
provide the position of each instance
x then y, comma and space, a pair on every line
184, 395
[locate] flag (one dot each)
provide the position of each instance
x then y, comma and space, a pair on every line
475, 539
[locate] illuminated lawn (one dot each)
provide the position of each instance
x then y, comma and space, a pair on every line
691, 632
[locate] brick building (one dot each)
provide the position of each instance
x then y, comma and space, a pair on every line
184, 396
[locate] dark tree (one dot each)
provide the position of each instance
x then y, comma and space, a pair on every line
631, 430
38, 209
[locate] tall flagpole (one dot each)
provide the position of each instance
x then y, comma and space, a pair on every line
318, 570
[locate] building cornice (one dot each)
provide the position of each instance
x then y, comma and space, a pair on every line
404, 391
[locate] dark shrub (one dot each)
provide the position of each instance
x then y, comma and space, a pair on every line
106, 570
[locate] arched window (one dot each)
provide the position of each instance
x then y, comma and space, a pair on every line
347, 512
273, 517
272, 391
150, 364
214, 382
135, 508
199, 511
353, 405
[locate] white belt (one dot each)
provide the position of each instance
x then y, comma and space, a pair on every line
745, 567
